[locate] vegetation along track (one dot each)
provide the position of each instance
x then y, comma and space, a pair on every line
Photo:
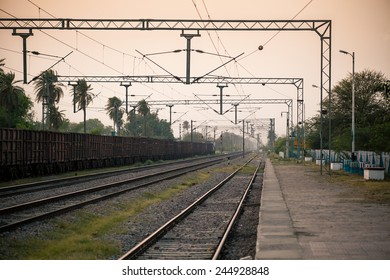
19, 214
200, 230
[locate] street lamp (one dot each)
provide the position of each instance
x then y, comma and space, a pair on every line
321, 121
353, 157
287, 133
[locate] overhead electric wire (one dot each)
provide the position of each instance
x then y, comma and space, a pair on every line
238, 103
62, 59
212, 41
78, 32
215, 69
270, 39
66, 44
83, 53
92, 39
166, 52
155, 63
98, 42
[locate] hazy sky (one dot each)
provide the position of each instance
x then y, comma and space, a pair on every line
357, 25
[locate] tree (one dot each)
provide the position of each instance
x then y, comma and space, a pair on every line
372, 114
94, 126
144, 110
14, 104
280, 145
146, 123
48, 91
115, 112
56, 118
11, 94
1, 65
186, 126
83, 98
196, 137
134, 125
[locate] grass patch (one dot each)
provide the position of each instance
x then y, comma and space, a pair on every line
248, 170
85, 236
368, 190
362, 190
228, 168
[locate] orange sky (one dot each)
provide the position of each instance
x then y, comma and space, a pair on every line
357, 25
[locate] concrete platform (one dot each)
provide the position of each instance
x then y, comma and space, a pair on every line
303, 216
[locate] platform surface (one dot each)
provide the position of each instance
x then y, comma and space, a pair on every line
305, 216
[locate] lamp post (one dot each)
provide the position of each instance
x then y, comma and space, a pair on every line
353, 157
321, 121
287, 133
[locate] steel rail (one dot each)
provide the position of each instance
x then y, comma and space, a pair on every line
235, 215
153, 237
92, 189
86, 202
46, 184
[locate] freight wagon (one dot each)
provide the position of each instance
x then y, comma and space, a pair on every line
36, 153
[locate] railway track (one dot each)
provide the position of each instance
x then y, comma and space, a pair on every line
17, 215
63, 182
200, 230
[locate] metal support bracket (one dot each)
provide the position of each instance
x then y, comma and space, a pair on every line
188, 50
221, 87
24, 36
74, 85
126, 85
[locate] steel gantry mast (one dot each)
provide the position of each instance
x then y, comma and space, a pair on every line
323, 28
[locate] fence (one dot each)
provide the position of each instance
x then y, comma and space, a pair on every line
364, 159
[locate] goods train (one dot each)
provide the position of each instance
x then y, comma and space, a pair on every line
36, 153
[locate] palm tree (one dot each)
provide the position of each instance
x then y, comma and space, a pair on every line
83, 98
48, 91
186, 126
115, 112
57, 117
10, 94
144, 110
12, 98
1, 65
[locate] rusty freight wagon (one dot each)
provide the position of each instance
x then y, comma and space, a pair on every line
36, 153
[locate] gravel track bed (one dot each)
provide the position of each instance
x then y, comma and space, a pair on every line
241, 243
197, 236
136, 228
59, 190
